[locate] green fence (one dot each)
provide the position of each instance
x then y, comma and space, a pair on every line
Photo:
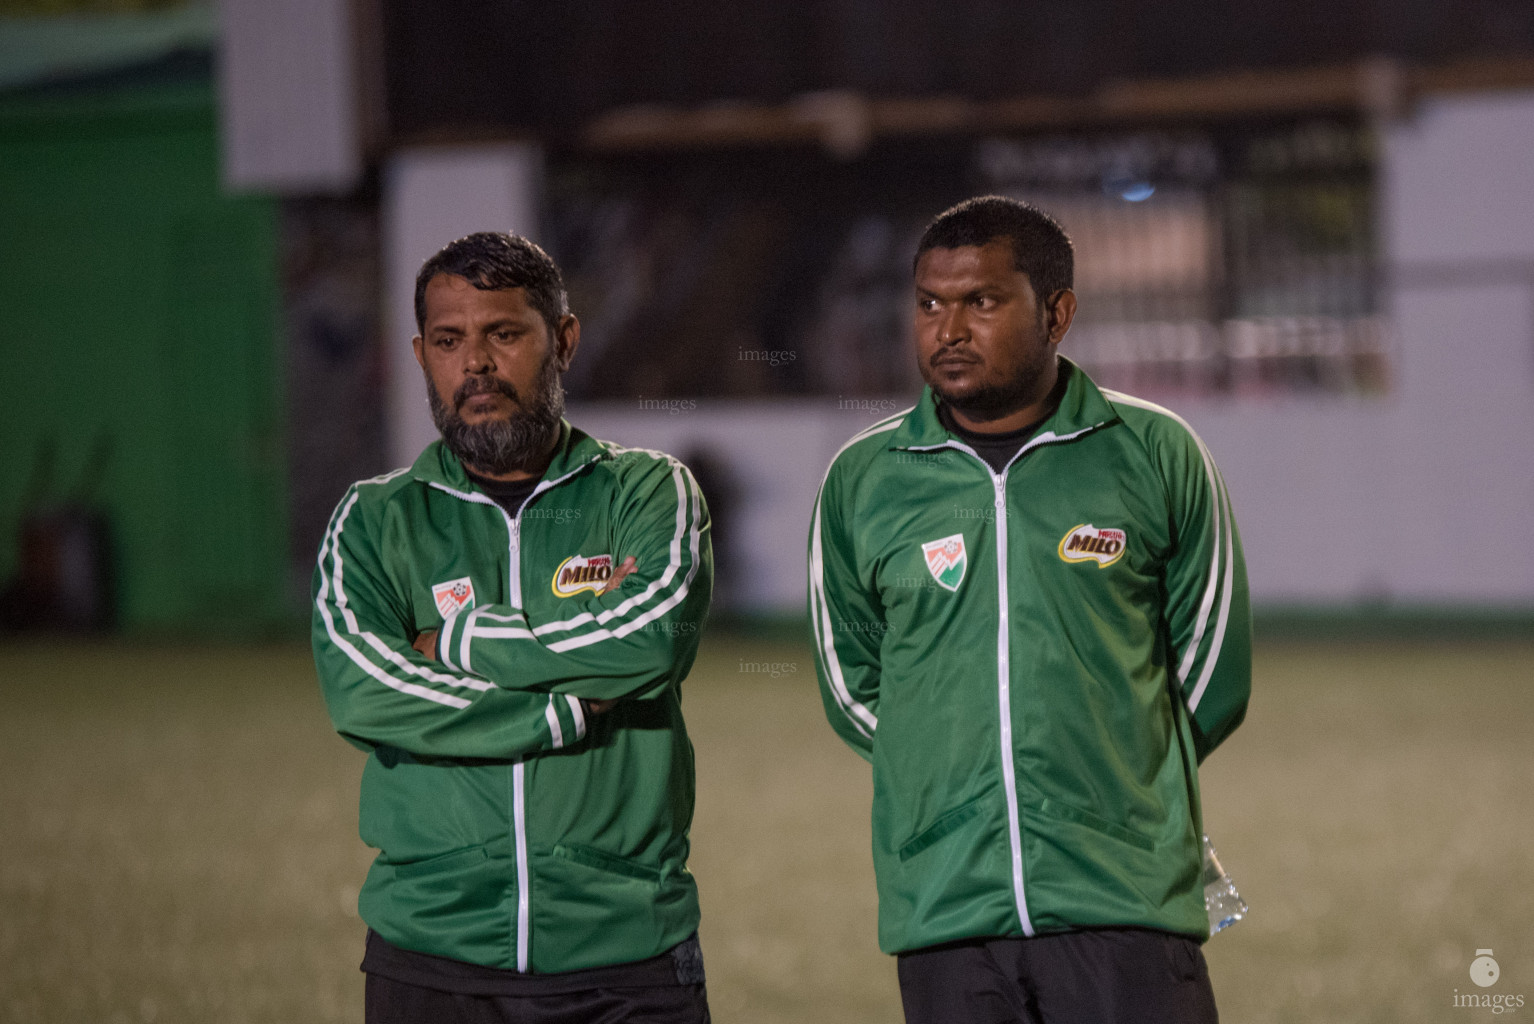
138, 313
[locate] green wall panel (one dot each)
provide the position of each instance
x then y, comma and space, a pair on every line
138, 312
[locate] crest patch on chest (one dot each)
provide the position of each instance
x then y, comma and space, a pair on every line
946, 560
453, 596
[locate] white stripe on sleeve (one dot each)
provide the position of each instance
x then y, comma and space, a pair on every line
333, 593
552, 717
858, 714
686, 487
1222, 552
578, 714
1227, 586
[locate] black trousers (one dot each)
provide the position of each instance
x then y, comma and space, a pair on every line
398, 1002
1101, 976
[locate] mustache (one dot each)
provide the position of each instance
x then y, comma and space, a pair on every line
485, 385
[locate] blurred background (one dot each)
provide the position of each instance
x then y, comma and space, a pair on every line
1308, 228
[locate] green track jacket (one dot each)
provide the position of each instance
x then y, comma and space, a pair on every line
1035, 662
513, 831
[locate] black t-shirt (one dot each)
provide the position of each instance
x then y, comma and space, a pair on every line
998, 449
680, 965
509, 494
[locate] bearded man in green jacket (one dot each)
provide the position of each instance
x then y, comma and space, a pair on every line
1030, 614
503, 627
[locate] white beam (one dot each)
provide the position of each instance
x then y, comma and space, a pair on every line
289, 96
432, 196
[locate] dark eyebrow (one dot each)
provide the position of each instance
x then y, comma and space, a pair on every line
969, 296
494, 325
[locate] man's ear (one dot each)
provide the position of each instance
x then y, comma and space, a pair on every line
1062, 310
420, 350
567, 337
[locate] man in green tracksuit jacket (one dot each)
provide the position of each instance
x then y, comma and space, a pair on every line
504, 627
1030, 614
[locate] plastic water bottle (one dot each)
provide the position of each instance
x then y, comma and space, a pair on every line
1221, 900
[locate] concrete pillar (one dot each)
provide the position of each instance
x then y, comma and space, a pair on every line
430, 197
295, 105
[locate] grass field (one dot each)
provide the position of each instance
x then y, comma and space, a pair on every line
177, 837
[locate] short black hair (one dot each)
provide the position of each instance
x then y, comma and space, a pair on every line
1040, 247
493, 260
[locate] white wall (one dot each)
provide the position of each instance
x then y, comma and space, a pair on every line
1411, 499
776, 451
1416, 498
1425, 496
433, 195
1460, 222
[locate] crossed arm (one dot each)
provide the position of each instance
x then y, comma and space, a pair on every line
426, 641
489, 682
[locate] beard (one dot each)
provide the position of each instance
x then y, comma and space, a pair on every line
500, 446
993, 399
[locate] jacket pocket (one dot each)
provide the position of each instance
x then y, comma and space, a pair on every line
946, 824
1069, 812
453, 860
610, 863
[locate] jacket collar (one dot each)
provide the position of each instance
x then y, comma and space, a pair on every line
437, 465
1082, 408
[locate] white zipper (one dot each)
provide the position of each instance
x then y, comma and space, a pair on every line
1003, 655
1004, 697
518, 769
519, 835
